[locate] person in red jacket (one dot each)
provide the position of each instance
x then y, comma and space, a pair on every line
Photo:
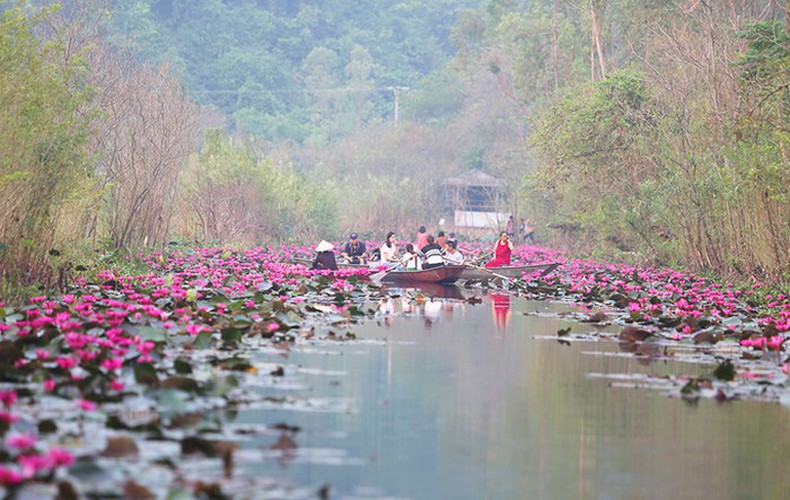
502, 250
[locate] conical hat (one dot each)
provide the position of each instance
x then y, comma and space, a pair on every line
324, 246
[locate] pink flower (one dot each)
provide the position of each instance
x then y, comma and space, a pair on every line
194, 329
775, 342
66, 362
32, 463
59, 456
111, 364
8, 398
8, 417
87, 405
10, 477
49, 385
20, 441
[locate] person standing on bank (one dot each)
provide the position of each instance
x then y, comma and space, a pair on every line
510, 227
503, 248
355, 251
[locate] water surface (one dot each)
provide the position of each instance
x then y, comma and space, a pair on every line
449, 399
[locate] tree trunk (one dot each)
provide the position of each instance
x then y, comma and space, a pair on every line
596, 36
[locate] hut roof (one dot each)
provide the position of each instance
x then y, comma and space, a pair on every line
473, 178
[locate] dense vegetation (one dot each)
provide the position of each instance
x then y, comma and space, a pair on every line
657, 129
308, 71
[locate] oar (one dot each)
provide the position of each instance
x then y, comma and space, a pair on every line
480, 257
500, 276
379, 275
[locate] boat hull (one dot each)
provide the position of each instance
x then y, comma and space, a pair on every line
515, 272
443, 275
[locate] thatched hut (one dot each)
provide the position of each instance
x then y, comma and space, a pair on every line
473, 198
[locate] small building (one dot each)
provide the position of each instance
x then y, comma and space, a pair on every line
473, 198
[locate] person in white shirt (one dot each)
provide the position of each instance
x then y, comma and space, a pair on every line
411, 259
452, 255
389, 250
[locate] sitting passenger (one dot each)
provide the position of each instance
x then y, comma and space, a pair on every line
374, 259
355, 251
389, 250
411, 259
432, 254
452, 255
325, 257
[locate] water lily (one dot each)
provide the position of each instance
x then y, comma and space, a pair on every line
20, 441
8, 398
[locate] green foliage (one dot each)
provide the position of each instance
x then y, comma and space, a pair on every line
238, 196
43, 129
322, 68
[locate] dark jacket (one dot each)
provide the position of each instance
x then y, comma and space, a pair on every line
325, 260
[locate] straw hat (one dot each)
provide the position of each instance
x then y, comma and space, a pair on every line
324, 246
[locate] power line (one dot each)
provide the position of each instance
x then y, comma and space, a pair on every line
393, 89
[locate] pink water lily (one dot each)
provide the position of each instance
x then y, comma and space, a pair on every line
20, 441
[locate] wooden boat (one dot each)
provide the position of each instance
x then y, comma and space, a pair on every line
515, 272
442, 275
340, 264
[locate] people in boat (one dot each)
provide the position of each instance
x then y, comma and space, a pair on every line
432, 254
422, 237
411, 259
502, 250
325, 257
374, 258
355, 251
451, 253
389, 250
441, 240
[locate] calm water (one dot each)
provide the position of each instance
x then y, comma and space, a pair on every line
453, 400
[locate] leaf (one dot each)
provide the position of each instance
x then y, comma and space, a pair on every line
150, 333
231, 334
145, 373
181, 383
194, 444
725, 371
182, 366
120, 447
132, 489
47, 426
203, 340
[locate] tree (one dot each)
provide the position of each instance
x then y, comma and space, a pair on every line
43, 158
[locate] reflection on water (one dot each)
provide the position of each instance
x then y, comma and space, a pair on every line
457, 399
500, 305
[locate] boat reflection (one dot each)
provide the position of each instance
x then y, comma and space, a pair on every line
500, 306
432, 290
434, 303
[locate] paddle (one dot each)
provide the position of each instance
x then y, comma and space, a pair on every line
480, 257
500, 276
379, 275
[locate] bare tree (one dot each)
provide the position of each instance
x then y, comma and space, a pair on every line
146, 131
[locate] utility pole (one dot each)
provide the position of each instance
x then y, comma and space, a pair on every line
395, 91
